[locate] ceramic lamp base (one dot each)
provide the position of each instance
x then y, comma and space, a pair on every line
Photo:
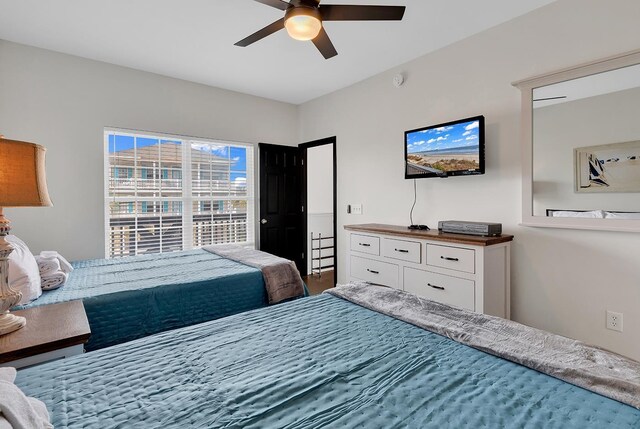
10, 322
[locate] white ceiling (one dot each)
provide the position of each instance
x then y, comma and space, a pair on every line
194, 39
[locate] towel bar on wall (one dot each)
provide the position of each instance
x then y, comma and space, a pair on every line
316, 244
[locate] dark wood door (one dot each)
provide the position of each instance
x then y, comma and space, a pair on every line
281, 212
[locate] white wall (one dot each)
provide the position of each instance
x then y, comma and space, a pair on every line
320, 179
560, 128
562, 280
64, 103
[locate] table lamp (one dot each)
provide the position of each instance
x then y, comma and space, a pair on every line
22, 184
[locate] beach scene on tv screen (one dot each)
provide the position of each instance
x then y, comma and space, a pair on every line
444, 149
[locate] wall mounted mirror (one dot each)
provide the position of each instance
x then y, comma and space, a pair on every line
581, 146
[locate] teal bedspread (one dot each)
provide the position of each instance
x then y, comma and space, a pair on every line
311, 363
129, 298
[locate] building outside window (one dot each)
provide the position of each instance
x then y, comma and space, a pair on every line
165, 194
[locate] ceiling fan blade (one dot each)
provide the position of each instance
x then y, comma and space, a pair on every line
550, 98
278, 4
261, 34
339, 12
324, 45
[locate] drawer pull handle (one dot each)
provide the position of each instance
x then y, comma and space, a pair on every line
364, 244
401, 250
435, 287
373, 271
446, 258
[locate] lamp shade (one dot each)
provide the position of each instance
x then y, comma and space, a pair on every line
22, 175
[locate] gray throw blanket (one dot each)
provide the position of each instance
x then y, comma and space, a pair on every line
281, 277
575, 362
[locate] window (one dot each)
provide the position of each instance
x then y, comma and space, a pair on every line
165, 194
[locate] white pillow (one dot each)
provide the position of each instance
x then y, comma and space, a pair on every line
24, 275
594, 214
612, 215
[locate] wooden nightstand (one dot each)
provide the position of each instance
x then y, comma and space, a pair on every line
52, 332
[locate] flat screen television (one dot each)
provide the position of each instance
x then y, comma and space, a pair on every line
450, 149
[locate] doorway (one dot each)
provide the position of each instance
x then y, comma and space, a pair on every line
297, 208
319, 198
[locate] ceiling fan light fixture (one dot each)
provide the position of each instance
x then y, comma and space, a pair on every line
303, 23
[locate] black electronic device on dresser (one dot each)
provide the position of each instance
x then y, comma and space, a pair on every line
484, 229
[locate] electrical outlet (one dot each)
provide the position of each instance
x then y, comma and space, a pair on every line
614, 321
356, 209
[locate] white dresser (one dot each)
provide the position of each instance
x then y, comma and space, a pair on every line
462, 270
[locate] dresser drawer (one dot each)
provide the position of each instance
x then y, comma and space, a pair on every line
453, 258
441, 288
365, 244
409, 251
382, 273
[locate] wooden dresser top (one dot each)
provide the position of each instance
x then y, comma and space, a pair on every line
403, 231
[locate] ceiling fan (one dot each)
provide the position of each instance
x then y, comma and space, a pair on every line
303, 20
550, 98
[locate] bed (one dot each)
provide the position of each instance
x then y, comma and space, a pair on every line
128, 298
311, 363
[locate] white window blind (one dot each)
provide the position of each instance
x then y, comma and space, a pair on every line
165, 194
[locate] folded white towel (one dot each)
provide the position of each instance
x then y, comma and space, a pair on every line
8, 373
20, 411
64, 264
54, 280
4, 424
48, 265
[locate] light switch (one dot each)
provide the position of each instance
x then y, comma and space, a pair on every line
356, 209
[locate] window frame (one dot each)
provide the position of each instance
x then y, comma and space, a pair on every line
187, 199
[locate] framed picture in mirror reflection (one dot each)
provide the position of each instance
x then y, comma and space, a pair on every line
608, 168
